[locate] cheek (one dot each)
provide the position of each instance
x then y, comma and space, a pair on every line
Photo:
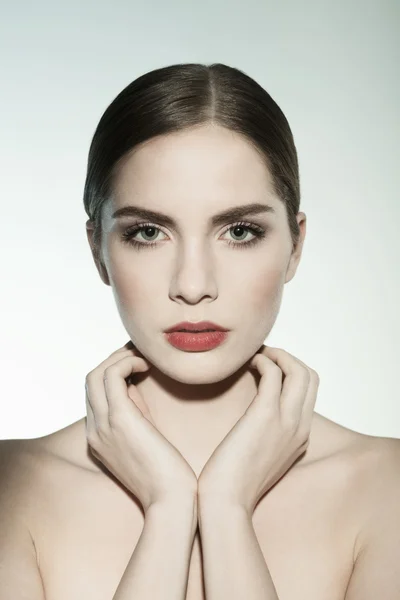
265, 291
126, 281
136, 290
130, 291
257, 284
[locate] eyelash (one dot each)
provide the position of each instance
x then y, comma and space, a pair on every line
127, 236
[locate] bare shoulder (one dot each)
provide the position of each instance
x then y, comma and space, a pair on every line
331, 439
19, 566
376, 461
370, 460
17, 482
370, 467
28, 465
39, 474
22, 464
62, 449
17, 466
355, 460
374, 501
379, 486
381, 456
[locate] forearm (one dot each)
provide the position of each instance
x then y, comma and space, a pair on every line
234, 566
159, 566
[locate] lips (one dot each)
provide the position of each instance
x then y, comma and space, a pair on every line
199, 327
195, 330
196, 342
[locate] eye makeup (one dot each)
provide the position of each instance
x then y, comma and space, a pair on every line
258, 232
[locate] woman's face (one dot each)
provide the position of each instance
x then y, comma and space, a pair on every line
195, 269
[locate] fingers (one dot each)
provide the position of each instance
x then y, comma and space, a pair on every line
308, 405
131, 346
97, 404
90, 422
269, 387
295, 385
297, 395
115, 388
311, 398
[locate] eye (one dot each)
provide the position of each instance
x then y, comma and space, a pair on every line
238, 229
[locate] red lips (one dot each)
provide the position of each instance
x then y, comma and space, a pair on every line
199, 326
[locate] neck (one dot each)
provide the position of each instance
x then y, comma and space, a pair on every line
196, 418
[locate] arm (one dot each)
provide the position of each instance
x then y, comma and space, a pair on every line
159, 566
20, 577
376, 572
234, 566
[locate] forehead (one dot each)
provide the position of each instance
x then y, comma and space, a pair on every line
206, 168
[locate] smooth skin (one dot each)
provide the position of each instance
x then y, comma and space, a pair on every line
129, 445
259, 449
264, 443
272, 433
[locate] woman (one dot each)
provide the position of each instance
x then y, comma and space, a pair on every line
231, 486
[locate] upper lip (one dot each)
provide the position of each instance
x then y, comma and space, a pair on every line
199, 326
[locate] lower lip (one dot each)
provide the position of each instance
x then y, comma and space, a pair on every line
196, 342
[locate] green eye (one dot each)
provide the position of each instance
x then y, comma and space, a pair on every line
258, 232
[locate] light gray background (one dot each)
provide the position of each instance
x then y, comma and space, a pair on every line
333, 69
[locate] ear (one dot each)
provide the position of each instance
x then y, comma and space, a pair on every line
96, 253
296, 254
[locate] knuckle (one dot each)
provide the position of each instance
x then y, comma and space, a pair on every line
109, 372
276, 371
275, 367
304, 374
114, 367
88, 378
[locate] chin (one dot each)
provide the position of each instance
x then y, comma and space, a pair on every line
200, 369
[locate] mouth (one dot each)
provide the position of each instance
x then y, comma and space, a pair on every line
196, 340
194, 330
190, 327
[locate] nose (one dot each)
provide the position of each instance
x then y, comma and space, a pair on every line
194, 276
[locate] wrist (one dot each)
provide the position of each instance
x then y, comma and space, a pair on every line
219, 505
216, 512
176, 508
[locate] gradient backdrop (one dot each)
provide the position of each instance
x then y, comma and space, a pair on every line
333, 69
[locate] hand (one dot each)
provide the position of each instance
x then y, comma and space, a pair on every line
273, 432
122, 434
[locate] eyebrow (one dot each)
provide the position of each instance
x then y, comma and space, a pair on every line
234, 213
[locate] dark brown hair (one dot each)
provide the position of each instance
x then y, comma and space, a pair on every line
188, 95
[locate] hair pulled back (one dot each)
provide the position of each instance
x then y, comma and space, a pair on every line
183, 96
